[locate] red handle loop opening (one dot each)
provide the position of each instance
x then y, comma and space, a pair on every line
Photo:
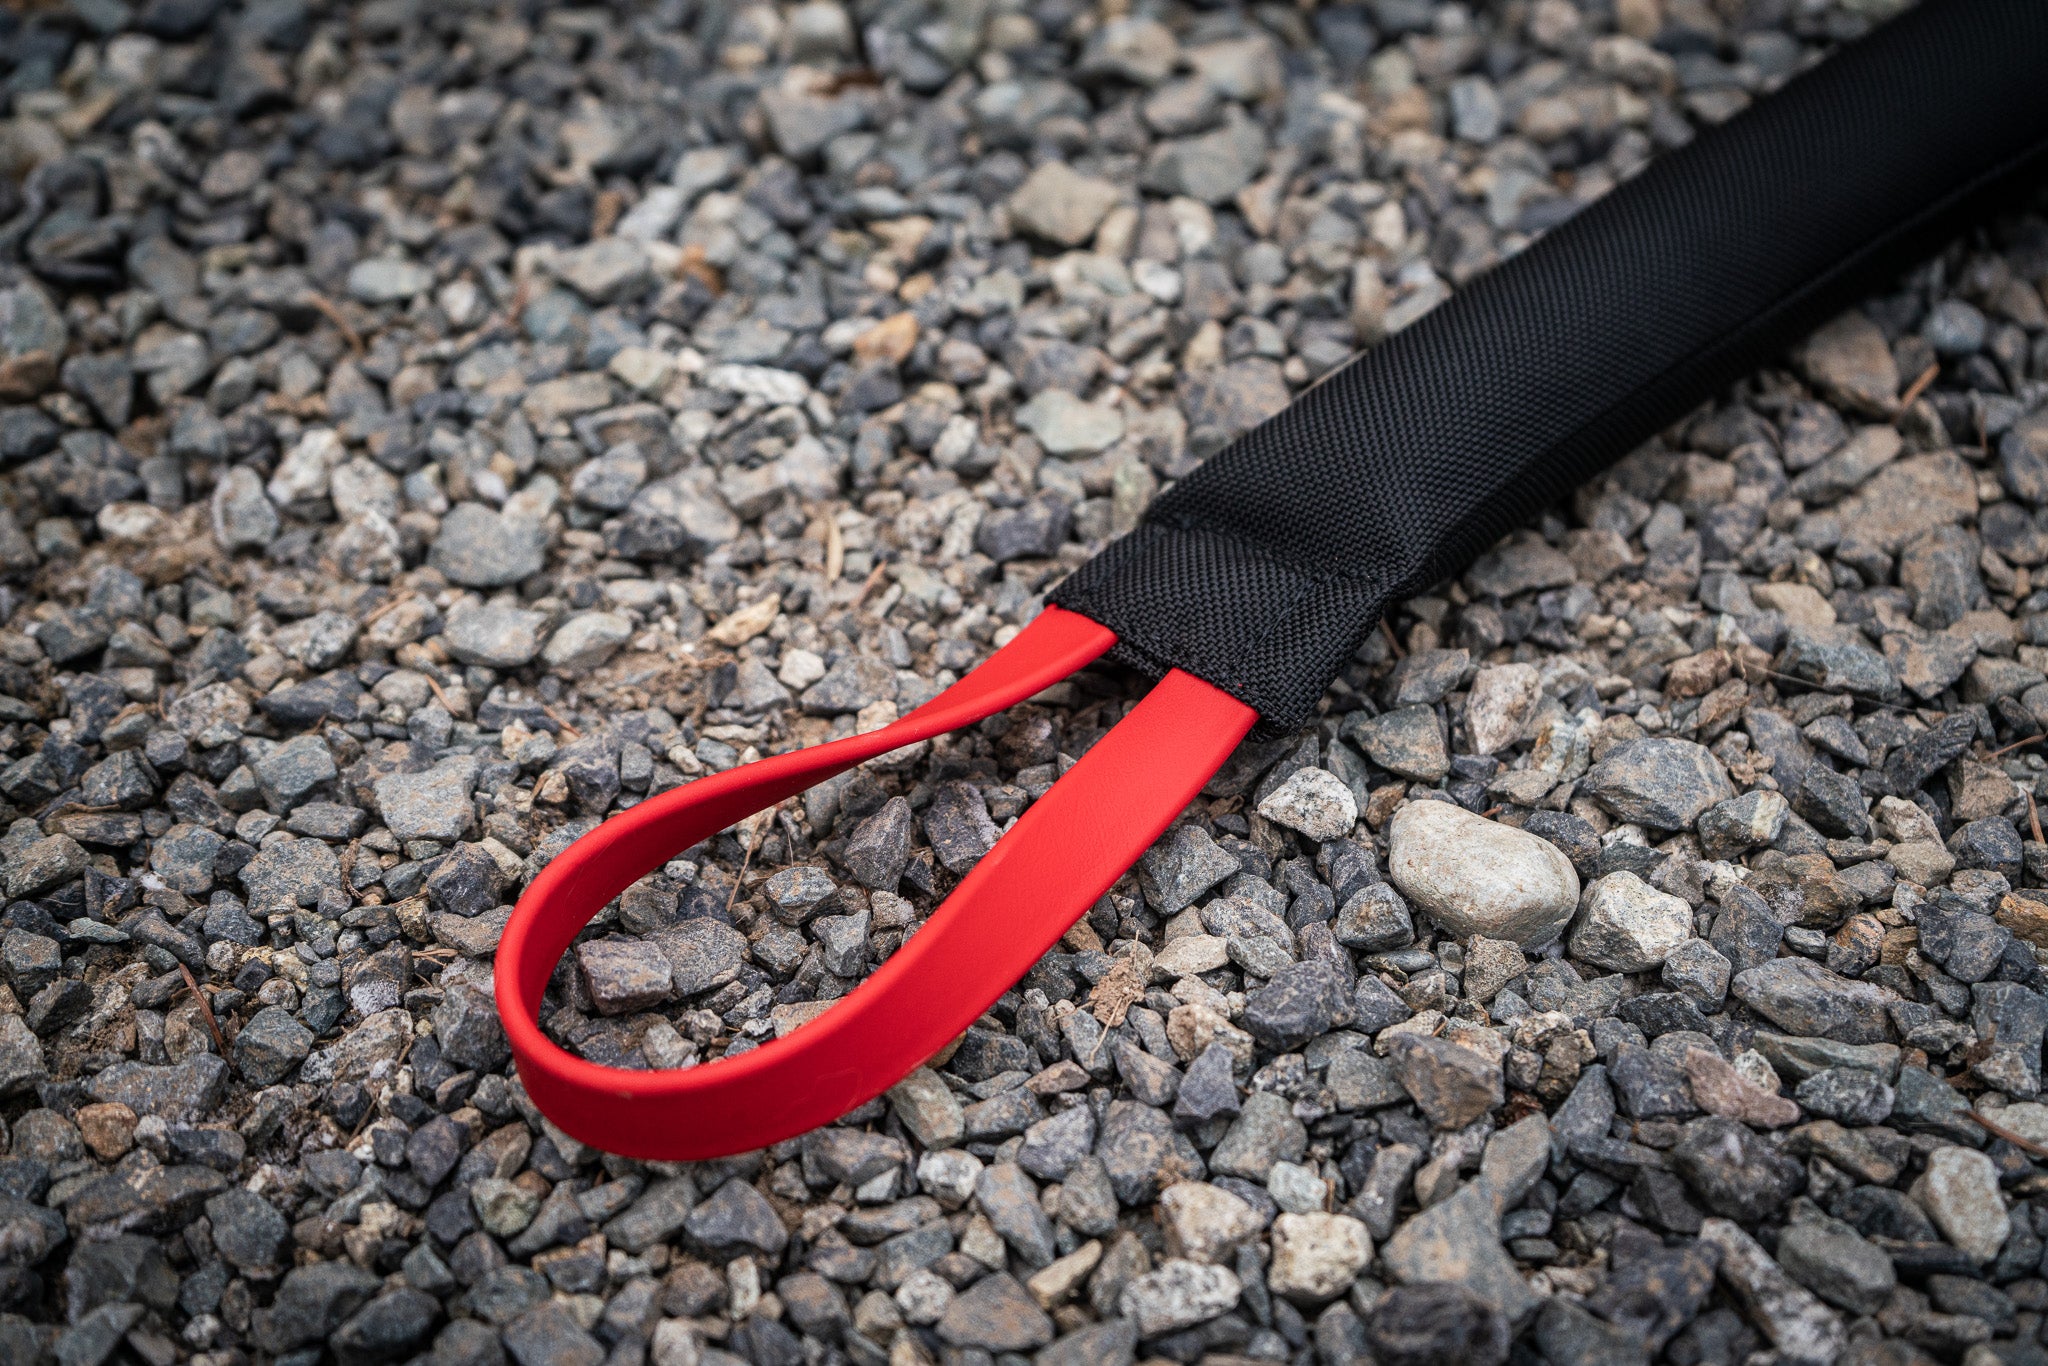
1063, 853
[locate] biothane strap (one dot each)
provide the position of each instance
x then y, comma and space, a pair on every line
1253, 580
1263, 570
1059, 858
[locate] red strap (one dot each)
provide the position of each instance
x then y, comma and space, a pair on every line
1057, 861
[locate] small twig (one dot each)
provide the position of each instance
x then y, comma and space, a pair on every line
80, 809
1747, 669
205, 1009
746, 861
605, 214
1392, 643
868, 584
1918, 387
2017, 744
439, 696
390, 605
370, 1111
2034, 819
556, 717
754, 838
846, 80
2000, 1131
331, 311
696, 264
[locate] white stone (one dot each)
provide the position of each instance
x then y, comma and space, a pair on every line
362, 486
586, 641
654, 215
800, 668
129, 521
820, 31
606, 270
1066, 425
772, 386
923, 1296
675, 1344
1626, 925
464, 302
1180, 1294
307, 467
949, 1176
1061, 205
1960, 1193
1203, 1223
242, 516
1314, 801
642, 369
1800, 604
495, 637
388, 280
1502, 699
1191, 955
1475, 876
1903, 822
1297, 1189
1317, 1256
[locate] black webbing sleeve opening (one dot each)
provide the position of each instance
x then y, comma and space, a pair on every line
1263, 570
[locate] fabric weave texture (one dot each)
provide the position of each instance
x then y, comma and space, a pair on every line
1263, 571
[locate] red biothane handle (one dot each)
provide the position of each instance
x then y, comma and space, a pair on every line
1057, 861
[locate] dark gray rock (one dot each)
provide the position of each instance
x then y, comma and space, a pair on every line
1734, 1172
1846, 1094
1452, 1084
389, 1328
995, 1314
1006, 1195
1802, 997
180, 1093
270, 1046
957, 824
1302, 1001
1208, 1089
1436, 1324
549, 1335
702, 954
1185, 863
1660, 783
249, 1232
312, 1301
479, 548
737, 1217
1838, 1264
880, 847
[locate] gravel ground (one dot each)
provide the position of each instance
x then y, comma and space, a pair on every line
427, 428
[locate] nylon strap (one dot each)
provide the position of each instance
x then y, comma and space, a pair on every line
1059, 858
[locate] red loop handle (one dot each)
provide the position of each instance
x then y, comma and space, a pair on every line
1057, 861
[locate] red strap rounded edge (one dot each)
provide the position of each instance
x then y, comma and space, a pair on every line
1057, 861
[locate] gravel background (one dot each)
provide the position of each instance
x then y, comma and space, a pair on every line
427, 428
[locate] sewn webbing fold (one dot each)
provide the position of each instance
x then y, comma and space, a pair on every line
1263, 570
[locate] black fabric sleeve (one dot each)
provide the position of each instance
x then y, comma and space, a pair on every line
1263, 570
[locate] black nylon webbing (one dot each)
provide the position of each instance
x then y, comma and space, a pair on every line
1263, 570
